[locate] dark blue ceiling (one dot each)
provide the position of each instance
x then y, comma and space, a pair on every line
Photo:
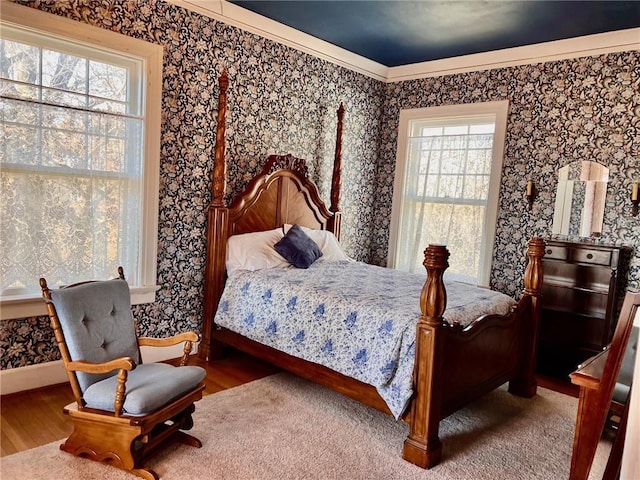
398, 32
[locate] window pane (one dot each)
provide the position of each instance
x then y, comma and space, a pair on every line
476, 187
107, 81
480, 141
63, 148
479, 161
435, 164
456, 130
62, 118
453, 161
482, 128
432, 131
464, 220
20, 62
454, 142
14, 146
450, 186
64, 72
75, 227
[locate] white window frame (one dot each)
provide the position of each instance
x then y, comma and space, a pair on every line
21, 306
498, 108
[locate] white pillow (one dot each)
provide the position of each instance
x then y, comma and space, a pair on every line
327, 241
254, 251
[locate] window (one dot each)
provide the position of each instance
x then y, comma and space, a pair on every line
79, 169
446, 187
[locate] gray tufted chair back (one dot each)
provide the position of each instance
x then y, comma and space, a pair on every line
97, 324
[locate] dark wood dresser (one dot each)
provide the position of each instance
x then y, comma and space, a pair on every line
580, 303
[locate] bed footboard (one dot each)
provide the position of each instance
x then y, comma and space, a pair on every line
474, 361
423, 447
525, 384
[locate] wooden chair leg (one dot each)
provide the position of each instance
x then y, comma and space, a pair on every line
187, 439
106, 443
612, 471
145, 473
126, 445
589, 423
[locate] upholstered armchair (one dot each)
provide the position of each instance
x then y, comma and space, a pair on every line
124, 409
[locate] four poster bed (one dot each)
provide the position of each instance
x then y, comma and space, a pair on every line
450, 363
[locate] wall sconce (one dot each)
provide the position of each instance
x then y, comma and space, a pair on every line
532, 193
635, 198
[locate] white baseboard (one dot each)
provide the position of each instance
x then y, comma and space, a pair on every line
32, 376
19, 379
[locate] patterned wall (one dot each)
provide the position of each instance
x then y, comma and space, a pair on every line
582, 109
284, 101
280, 101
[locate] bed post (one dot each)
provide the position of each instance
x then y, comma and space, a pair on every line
525, 384
217, 234
336, 182
422, 447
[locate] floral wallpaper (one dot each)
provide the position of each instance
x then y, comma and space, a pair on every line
284, 101
582, 109
280, 101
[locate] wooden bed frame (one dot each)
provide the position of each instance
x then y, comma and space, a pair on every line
453, 365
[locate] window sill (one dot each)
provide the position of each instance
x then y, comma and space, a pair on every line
32, 305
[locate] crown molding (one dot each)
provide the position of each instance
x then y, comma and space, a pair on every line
590, 45
251, 22
586, 46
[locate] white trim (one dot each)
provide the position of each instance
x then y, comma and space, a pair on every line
32, 305
150, 55
585, 46
398, 182
500, 109
14, 380
251, 22
153, 131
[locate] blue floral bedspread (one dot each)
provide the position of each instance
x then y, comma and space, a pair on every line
351, 317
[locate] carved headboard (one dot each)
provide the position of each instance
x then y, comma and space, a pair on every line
281, 194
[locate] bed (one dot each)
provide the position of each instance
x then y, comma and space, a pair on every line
452, 363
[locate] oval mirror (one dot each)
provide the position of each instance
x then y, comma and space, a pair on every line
580, 198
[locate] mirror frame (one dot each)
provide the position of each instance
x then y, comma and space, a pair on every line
581, 194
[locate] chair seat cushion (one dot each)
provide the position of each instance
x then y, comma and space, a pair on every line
621, 392
149, 387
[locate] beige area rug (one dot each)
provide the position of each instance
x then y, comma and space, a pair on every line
283, 427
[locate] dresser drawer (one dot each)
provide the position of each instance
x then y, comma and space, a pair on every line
556, 252
586, 255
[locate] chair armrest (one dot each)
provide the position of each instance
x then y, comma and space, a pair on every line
123, 363
187, 337
589, 374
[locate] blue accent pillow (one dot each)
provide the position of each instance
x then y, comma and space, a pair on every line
298, 248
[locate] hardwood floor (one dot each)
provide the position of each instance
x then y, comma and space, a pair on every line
33, 418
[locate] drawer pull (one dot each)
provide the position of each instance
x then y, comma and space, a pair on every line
549, 252
590, 256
